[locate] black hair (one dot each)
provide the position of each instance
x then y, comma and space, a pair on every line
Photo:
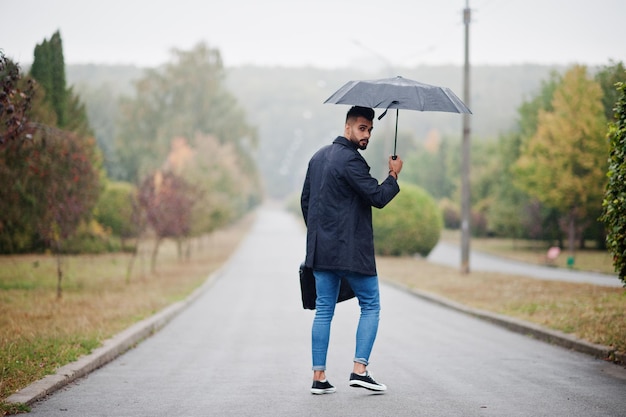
358, 111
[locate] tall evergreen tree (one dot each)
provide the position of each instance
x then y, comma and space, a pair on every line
49, 70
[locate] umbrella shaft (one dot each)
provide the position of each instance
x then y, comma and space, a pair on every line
395, 140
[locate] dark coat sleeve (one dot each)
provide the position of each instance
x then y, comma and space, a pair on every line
367, 187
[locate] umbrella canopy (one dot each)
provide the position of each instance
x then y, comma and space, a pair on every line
398, 93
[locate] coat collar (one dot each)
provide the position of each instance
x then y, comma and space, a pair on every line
341, 140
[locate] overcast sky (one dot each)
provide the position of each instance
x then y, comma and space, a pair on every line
323, 33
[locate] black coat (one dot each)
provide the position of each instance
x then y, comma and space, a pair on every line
337, 200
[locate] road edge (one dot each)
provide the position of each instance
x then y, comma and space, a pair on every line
554, 337
109, 350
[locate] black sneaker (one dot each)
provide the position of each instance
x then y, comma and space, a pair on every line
366, 381
322, 387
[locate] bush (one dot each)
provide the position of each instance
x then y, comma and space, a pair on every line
114, 210
410, 224
614, 204
90, 238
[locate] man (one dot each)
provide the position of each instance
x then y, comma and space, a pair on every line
337, 199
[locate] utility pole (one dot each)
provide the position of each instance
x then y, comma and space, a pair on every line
465, 149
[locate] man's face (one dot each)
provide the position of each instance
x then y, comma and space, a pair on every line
358, 131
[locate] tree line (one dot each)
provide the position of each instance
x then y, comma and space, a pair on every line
543, 178
184, 145
547, 178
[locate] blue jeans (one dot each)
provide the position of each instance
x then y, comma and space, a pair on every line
365, 288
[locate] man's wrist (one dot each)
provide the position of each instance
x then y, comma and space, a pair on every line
393, 173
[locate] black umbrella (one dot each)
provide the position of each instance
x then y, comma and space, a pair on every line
398, 93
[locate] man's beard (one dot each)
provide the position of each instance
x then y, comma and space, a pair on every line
361, 144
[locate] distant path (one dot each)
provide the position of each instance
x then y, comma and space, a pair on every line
243, 349
450, 255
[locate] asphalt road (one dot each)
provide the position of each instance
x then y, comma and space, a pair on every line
243, 349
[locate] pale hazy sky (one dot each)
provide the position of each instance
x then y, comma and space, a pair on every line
323, 33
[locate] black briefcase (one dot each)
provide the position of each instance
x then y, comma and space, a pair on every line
309, 294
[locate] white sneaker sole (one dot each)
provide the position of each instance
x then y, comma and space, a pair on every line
372, 387
318, 391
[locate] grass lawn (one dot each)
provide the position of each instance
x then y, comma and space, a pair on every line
589, 312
